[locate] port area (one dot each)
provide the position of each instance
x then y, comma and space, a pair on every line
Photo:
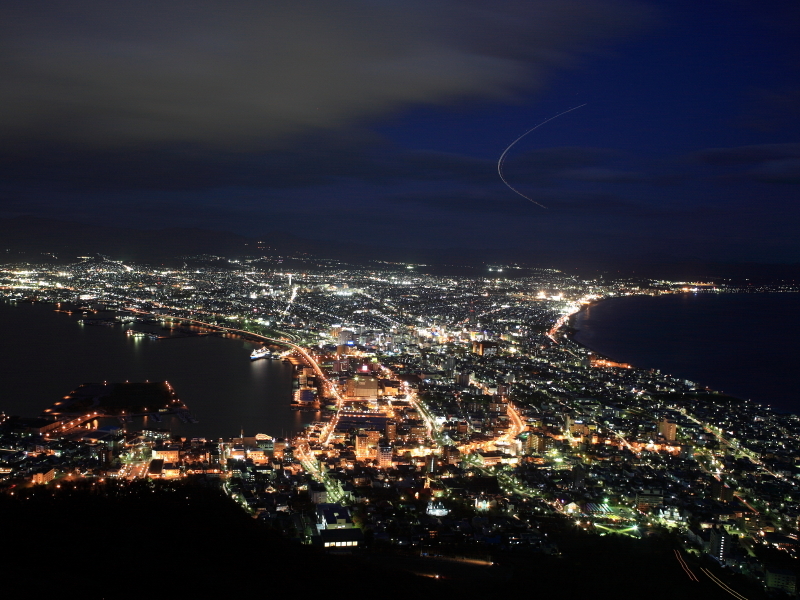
153, 327
93, 401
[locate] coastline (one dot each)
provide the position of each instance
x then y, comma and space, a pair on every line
704, 338
571, 330
262, 389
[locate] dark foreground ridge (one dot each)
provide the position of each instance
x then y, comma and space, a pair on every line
186, 539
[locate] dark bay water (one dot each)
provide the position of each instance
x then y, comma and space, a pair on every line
743, 344
48, 354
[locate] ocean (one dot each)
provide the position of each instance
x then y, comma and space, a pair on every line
745, 345
47, 354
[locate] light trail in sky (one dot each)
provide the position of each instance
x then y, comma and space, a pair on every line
501, 161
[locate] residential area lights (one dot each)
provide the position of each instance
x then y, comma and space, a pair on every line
426, 384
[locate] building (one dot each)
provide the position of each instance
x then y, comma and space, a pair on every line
781, 580
391, 431
167, 452
318, 492
156, 469
366, 444
667, 429
578, 477
578, 428
720, 544
390, 387
171, 471
752, 523
489, 458
721, 491
44, 475
363, 450
484, 348
452, 455
462, 379
278, 448
385, 456
540, 443
436, 509
648, 499
362, 387
335, 530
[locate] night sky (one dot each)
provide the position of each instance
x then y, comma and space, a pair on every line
382, 122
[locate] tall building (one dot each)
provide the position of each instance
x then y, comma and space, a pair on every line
667, 429
578, 477
721, 491
278, 448
366, 443
540, 443
462, 379
452, 455
362, 446
374, 437
720, 544
385, 456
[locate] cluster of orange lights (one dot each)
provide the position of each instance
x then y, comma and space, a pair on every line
604, 362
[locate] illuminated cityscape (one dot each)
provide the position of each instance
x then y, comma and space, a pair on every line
451, 412
415, 299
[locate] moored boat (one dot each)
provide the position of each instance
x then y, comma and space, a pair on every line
262, 352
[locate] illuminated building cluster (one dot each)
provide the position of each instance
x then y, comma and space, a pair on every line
458, 410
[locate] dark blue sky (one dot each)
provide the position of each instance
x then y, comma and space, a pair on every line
383, 122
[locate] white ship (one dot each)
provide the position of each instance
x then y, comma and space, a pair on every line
262, 352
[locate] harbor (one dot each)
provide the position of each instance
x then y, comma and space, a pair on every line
220, 385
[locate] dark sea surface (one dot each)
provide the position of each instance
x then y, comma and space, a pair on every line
47, 354
745, 345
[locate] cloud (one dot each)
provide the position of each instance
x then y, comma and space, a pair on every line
778, 171
772, 110
465, 201
764, 163
499, 201
225, 74
600, 175
319, 160
744, 155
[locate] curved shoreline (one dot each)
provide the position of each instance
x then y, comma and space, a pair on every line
572, 330
233, 375
702, 339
